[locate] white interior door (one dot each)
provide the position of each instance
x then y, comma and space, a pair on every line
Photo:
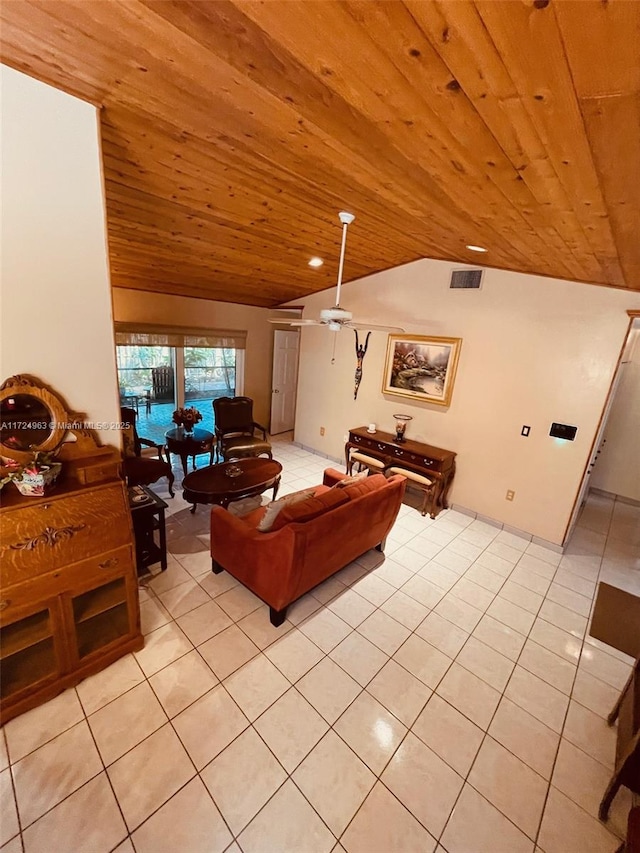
284, 381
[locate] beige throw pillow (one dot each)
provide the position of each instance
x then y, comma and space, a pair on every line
354, 478
275, 507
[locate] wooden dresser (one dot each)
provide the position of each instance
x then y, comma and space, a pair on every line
432, 462
68, 590
68, 581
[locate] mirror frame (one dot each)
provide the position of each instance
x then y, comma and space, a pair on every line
60, 418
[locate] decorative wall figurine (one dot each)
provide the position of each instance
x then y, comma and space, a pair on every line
361, 351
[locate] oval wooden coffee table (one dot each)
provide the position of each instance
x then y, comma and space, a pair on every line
221, 484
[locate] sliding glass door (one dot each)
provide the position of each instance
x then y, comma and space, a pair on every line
157, 372
208, 373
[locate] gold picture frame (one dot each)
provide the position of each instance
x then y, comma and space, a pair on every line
421, 367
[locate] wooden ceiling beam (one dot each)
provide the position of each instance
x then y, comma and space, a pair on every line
528, 38
233, 132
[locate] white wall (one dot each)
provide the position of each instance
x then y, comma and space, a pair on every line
137, 306
534, 351
55, 301
618, 467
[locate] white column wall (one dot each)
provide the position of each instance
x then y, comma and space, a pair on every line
55, 300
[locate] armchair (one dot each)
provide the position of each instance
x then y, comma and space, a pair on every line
235, 430
141, 470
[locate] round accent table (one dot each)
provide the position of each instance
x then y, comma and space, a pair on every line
231, 481
185, 444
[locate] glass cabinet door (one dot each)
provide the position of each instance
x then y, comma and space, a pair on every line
27, 652
100, 616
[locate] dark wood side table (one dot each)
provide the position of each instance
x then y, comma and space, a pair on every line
147, 515
231, 481
185, 444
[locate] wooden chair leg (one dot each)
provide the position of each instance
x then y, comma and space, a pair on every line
609, 794
613, 716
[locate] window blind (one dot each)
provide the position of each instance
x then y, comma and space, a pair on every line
149, 335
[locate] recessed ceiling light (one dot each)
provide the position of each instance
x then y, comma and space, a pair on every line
316, 262
477, 249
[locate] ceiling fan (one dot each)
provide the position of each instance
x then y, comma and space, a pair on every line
337, 318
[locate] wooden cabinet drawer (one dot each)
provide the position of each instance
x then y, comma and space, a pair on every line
14, 599
52, 535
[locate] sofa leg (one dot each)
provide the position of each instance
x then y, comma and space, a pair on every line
216, 568
380, 546
277, 617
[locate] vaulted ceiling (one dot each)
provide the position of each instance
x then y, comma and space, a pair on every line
233, 133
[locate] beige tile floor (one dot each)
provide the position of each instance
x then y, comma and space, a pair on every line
445, 697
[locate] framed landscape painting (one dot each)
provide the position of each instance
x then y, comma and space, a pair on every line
422, 368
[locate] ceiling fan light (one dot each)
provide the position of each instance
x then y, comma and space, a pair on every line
335, 327
316, 262
473, 248
335, 314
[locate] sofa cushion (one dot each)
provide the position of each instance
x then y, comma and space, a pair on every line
364, 486
311, 508
274, 508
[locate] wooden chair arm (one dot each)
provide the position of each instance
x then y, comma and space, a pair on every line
262, 429
148, 443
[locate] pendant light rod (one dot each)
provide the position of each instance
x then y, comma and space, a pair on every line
346, 219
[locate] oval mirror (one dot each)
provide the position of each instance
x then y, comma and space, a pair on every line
31, 418
25, 422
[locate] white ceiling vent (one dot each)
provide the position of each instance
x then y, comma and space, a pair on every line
466, 279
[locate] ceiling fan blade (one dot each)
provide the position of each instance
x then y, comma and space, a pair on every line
364, 326
290, 322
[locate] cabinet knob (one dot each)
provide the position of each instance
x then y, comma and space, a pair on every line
107, 564
5, 603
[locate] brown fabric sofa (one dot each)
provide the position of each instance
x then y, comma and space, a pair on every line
315, 538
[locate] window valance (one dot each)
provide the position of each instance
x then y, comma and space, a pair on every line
149, 335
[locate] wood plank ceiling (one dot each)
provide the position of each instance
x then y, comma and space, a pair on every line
233, 133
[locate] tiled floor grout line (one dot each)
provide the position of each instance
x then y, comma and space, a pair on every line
583, 643
147, 678
390, 657
262, 650
363, 689
486, 734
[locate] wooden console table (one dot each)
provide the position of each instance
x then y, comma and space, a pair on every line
423, 459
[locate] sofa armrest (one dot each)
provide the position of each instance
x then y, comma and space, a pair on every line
264, 562
332, 476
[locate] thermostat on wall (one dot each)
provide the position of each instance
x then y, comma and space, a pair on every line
563, 431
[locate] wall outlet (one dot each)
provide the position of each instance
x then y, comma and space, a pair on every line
510, 494
321, 430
